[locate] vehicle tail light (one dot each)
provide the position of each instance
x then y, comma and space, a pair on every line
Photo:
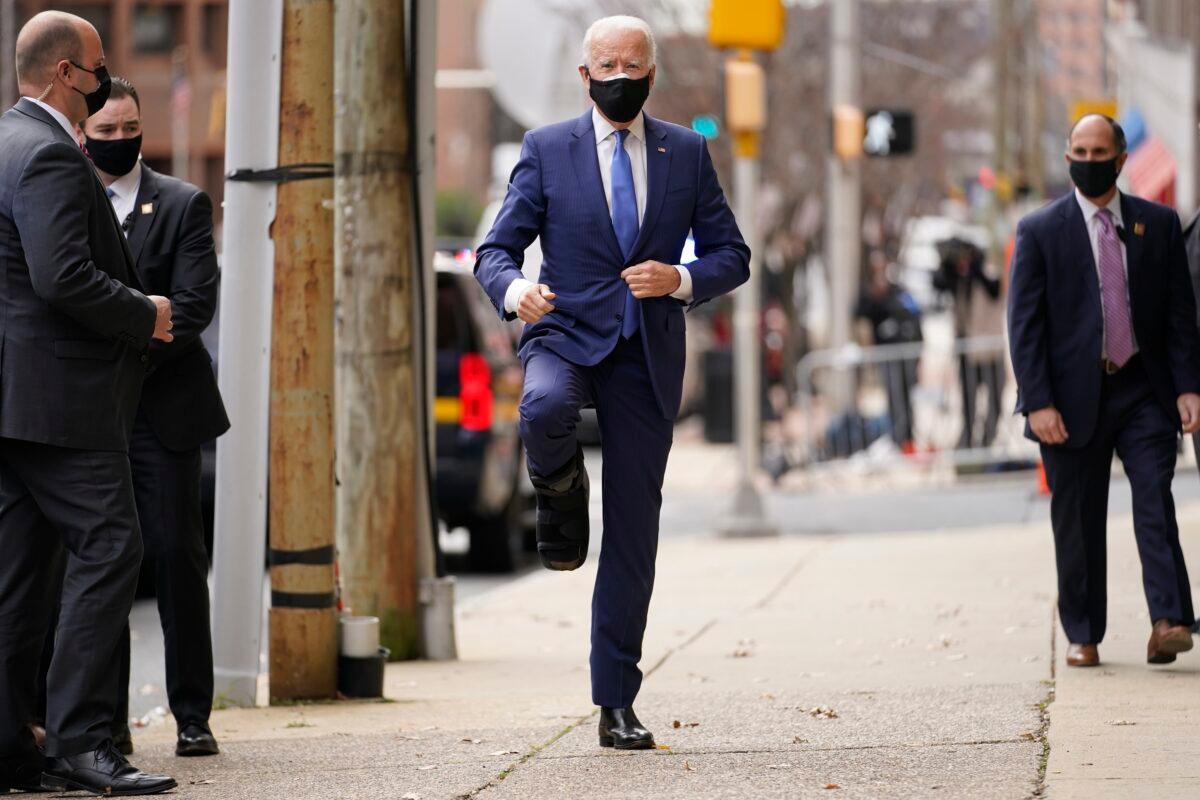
475, 392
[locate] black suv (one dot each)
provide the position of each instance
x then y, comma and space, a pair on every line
481, 480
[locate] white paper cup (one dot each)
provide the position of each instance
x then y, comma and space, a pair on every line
359, 636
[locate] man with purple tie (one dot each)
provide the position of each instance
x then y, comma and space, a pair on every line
612, 195
1102, 329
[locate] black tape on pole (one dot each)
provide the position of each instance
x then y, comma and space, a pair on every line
317, 556
311, 600
284, 174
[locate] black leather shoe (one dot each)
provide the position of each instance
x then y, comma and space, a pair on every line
195, 739
123, 740
103, 771
22, 773
619, 728
562, 515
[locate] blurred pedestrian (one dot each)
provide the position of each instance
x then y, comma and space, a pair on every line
169, 227
612, 196
75, 329
1106, 352
978, 313
894, 318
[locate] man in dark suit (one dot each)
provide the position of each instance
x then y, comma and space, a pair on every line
612, 195
1102, 326
75, 330
169, 227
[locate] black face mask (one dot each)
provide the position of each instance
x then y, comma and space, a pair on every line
115, 156
96, 100
620, 99
1094, 178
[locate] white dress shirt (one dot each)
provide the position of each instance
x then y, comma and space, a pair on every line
1091, 213
635, 146
58, 115
124, 193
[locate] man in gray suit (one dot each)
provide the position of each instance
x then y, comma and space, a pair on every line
74, 335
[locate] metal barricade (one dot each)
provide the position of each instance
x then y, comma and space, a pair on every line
945, 399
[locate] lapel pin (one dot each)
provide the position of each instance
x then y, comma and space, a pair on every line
147, 208
662, 149
1138, 229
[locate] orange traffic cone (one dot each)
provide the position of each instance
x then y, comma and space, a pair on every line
1043, 483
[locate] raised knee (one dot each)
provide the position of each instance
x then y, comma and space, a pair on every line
550, 415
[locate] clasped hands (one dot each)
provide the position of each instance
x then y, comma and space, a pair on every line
1047, 424
647, 279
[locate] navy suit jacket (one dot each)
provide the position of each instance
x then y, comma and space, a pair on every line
555, 192
1056, 323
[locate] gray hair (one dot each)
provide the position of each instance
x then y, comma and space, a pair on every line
621, 22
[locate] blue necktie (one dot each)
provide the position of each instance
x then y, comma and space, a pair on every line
625, 223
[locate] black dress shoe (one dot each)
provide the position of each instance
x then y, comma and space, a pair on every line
123, 740
22, 773
195, 739
562, 515
619, 728
103, 771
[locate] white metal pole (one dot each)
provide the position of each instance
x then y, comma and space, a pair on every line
251, 141
747, 517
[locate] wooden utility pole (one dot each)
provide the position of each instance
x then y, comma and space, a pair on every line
381, 503
303, 620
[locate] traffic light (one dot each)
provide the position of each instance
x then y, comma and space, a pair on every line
848, 131
745, 97
746, 24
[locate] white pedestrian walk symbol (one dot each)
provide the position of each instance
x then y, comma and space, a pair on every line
881, 130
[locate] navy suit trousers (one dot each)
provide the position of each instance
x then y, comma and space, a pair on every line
1134, 425
636, 440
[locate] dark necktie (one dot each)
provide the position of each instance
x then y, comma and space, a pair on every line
126, 223
625, 223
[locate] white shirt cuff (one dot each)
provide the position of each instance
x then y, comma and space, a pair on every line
512, 298
684, 292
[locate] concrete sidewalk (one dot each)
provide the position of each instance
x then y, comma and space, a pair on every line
866, 666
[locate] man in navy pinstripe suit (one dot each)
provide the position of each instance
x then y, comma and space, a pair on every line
612, 196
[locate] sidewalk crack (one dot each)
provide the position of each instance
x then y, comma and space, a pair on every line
526, 757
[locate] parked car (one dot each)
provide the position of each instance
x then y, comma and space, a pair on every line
481, 481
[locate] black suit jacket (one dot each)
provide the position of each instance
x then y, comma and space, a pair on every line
172, 244
1056, 323
74, 327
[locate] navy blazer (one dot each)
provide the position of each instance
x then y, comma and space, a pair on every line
74, 327
1056, 322
173, 252
555, 193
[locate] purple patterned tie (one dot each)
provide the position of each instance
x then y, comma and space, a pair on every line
1118, 327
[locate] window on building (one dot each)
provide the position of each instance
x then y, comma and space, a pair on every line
155, 28
216, 26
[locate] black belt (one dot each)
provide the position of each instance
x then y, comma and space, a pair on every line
1112, 368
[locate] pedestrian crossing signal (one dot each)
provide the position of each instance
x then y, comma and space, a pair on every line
889, 132
746, 24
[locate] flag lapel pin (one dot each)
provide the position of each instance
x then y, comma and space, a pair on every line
662, 149
147, 208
